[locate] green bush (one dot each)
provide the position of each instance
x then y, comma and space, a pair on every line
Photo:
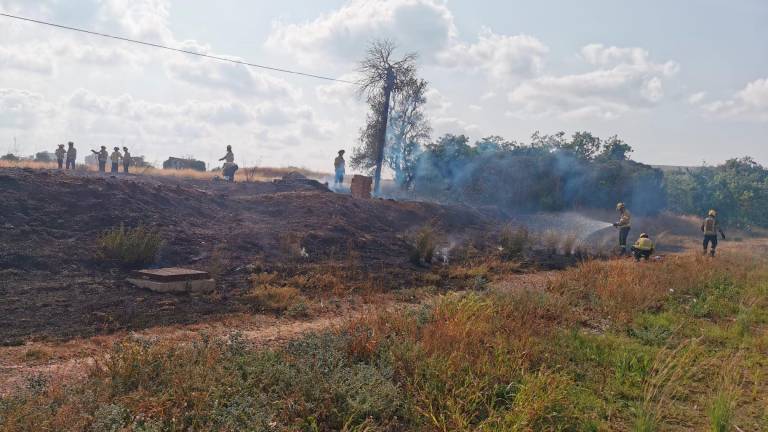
131, 247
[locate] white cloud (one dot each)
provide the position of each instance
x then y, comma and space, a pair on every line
749, 103
339, 93
27, 59
697, 97
22, 109
503, 58
625, 79
424, 26
454, 125
437, 104
143, 19
217, 75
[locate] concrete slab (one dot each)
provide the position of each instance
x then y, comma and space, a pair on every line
170, 274
193, 286
173, 280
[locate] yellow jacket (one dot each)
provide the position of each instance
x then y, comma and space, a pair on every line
625, 219
116, 156
644, 244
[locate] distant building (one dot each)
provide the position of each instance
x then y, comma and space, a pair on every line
44, 156
180, 163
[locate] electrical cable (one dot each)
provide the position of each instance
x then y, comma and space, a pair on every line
179, 50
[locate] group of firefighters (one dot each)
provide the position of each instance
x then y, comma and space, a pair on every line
644, 246
66, 158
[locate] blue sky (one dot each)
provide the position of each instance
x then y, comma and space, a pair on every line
682, 81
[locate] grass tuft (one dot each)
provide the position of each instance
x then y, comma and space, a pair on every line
131, 247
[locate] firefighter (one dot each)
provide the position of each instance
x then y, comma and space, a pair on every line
71, 155
711, 227
115, 157
230, 167
624, 226
643, 247
126, 160
339, 166
60, 153
102, 157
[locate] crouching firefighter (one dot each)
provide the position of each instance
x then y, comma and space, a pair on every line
643, 248
711, 227
624, 226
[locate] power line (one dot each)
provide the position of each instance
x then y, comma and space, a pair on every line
179, 50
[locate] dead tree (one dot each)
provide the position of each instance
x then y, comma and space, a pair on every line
382, 77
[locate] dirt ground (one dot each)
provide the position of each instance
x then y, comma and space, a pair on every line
61, 307
53, 286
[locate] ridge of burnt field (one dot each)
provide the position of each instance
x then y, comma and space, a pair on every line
51, 284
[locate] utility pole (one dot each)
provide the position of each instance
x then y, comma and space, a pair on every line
381, 139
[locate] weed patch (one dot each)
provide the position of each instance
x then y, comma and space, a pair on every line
130, 247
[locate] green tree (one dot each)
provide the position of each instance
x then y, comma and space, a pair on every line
615, 149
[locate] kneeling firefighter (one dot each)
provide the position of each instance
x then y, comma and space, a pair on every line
643, 247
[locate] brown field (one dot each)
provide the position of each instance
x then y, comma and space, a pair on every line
330, 315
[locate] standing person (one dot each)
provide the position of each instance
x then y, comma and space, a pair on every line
339, 166
60, 154
230, 167
115, 157
126, 160
102, 157
71, 155
643, 247
710, 227
624, 225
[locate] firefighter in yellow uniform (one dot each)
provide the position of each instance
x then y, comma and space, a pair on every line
711, 227
643, 247
102, 156
624, 225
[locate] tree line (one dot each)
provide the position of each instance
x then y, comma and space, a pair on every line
551, 172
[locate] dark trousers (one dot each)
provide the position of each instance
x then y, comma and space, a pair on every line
125, 168
639, 253
102, 166
710, 238
623, 234
60, 162
115, 167
339, 177
70, 164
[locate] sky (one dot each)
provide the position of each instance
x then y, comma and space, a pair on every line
684, 82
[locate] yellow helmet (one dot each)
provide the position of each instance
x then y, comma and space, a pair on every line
620, 206
643, 235
712, 213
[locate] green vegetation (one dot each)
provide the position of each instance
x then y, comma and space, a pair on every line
130, 247
677, 345
738, 189
552, 172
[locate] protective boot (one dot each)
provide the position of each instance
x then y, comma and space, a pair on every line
712, 253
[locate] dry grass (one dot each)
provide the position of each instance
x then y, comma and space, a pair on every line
246, 174
620, 288
670, 336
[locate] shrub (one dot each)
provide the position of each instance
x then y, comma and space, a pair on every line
514, 242
424, 245
274, 298
131, 247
